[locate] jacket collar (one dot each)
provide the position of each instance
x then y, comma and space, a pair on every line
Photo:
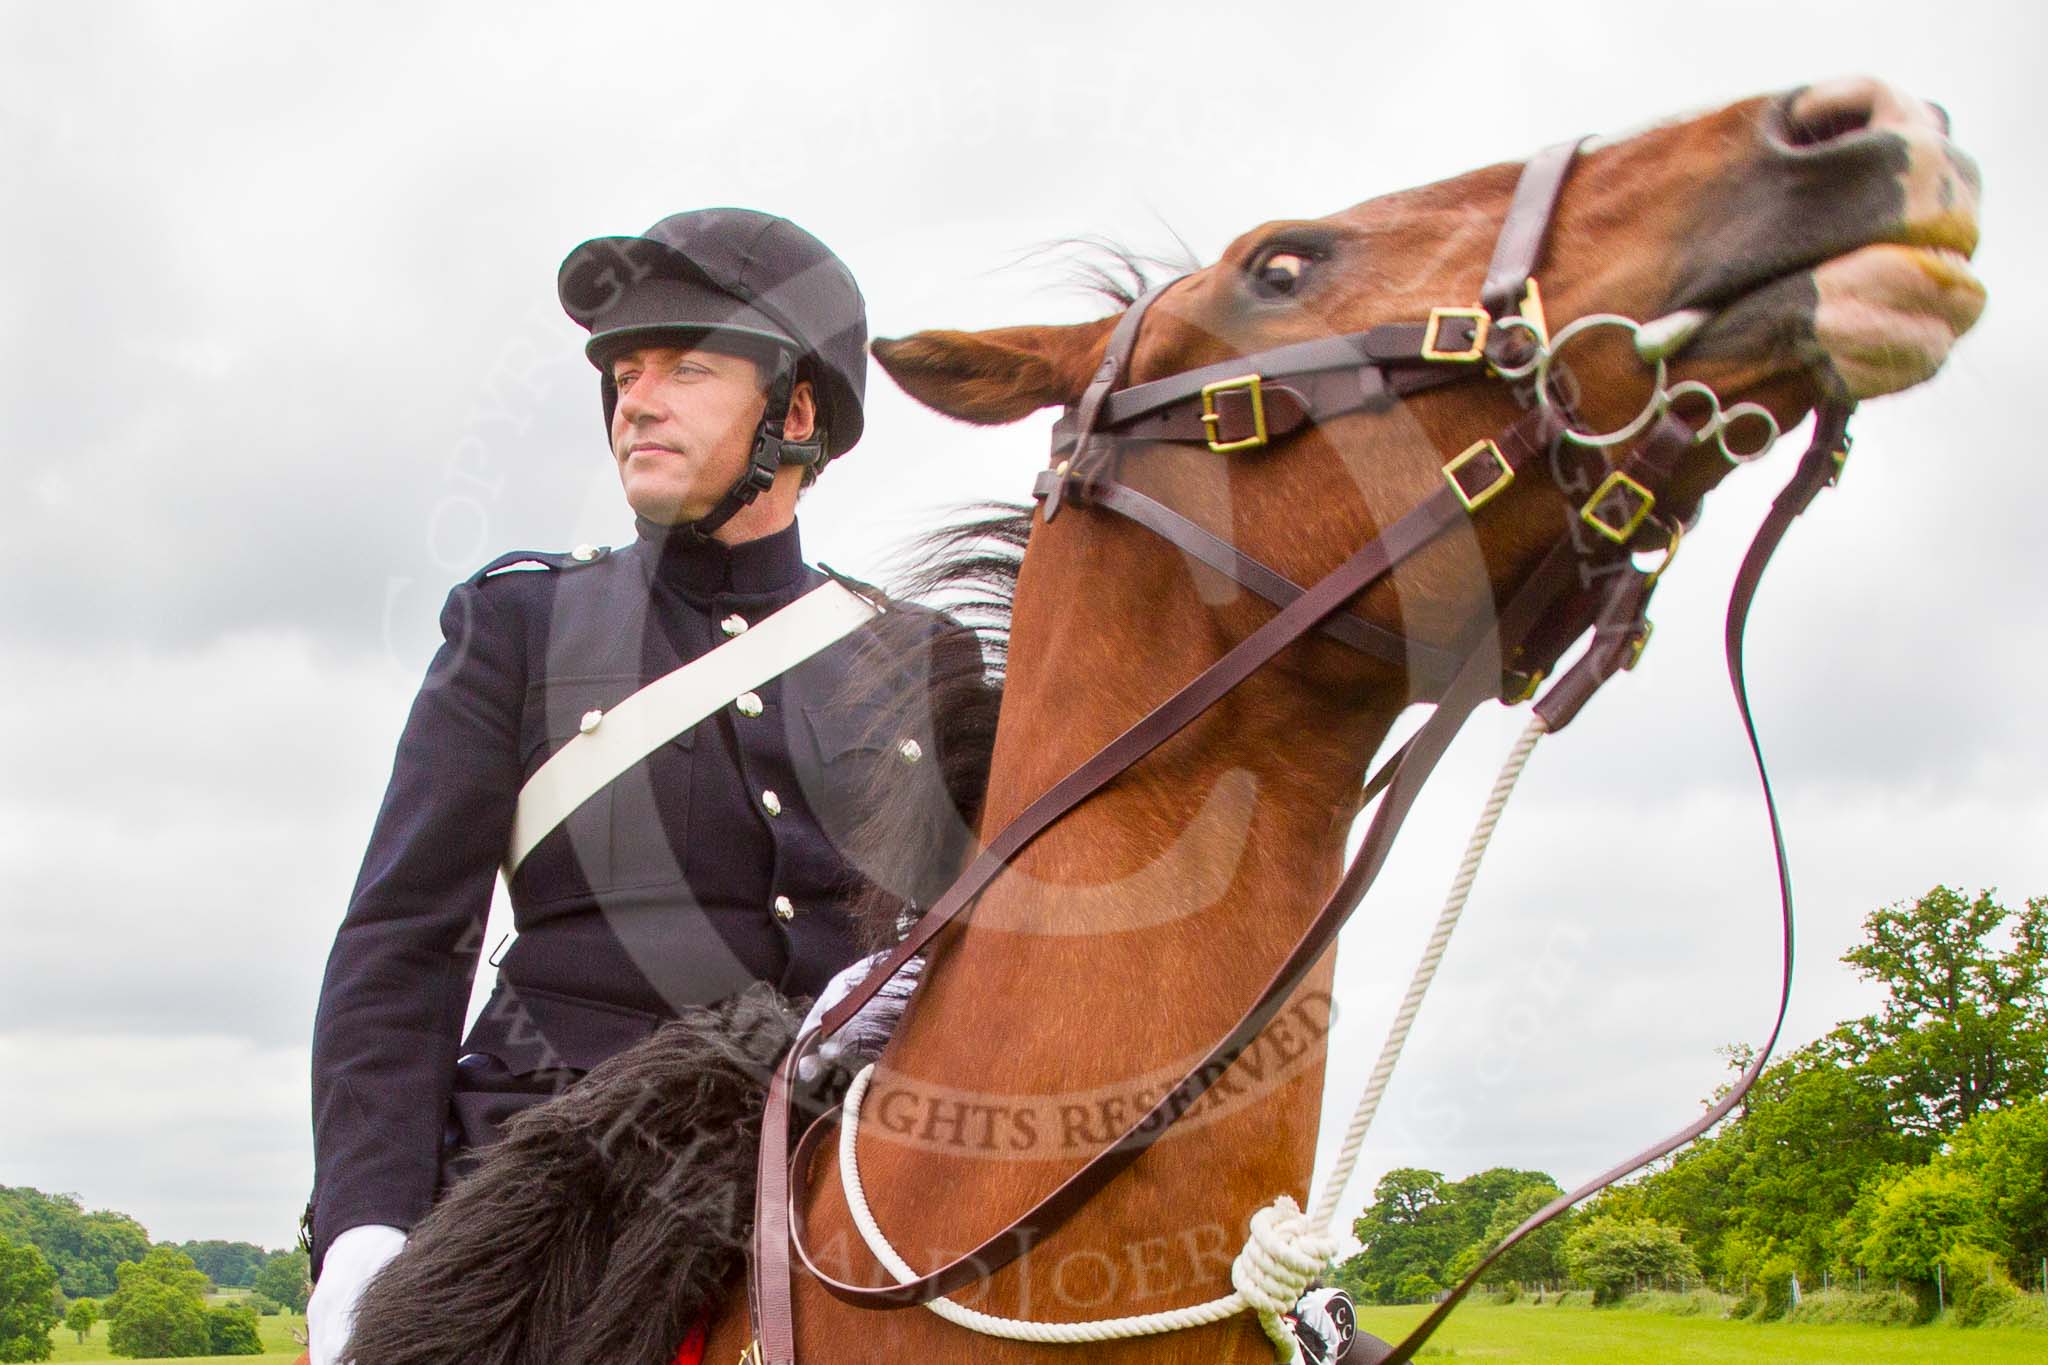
701, 566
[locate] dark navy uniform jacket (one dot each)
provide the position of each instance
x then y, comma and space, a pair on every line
713, 863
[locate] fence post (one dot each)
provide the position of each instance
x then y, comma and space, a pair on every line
1940, 1294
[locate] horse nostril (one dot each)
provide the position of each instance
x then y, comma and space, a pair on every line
1833, 111
1820, 115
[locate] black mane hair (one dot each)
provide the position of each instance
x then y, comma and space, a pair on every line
1105, 269
914, 824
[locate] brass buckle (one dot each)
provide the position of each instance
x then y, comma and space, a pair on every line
1618, 532
1474, 501
1251, 384
1475, 350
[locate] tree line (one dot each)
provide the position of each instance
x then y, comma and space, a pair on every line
1906, 1149
60, 1265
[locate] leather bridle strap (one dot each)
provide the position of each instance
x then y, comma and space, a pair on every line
1473, 685
1326, 376
1123, 338
1520, 244
1819, 467
1426, 662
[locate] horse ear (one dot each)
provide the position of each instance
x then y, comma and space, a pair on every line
996, 376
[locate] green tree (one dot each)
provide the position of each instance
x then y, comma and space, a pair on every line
1537, 1258
2005, 1156
28, 1303
1407, 1230
1613, 1254
230, 1265
1919, 1216
1420, 1224
83, 1248
1788, 1167
81, 1316
284, 1278
231, 1331
1964, 1027
159, 1308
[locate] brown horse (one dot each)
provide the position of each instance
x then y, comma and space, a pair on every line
1821, 234
1825, 231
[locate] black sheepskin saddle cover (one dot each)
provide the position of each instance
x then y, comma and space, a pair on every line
606, 1222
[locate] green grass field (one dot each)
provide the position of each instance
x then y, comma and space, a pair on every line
1532, 1333
275, 1331
1583, 1336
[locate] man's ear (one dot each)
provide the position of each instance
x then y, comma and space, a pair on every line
996, 376
803, 413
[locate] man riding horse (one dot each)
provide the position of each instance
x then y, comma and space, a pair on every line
701, 852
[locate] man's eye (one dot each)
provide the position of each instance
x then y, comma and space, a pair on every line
1279, 275
624, 381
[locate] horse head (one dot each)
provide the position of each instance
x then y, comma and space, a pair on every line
1780, 251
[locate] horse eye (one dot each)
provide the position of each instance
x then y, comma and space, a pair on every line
1279, 275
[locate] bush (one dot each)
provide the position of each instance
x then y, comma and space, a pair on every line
231, 1331
1977, 1285
265, 1306
1417, 1287
1614, 1254
1693, 1303
1772, 1288
1877, 1307
2023, 1310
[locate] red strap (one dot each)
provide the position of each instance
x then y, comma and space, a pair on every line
691, 1352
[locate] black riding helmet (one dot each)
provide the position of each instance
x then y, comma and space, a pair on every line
748, 280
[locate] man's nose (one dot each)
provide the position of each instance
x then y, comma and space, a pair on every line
636, 400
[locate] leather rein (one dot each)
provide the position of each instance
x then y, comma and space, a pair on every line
1587, 580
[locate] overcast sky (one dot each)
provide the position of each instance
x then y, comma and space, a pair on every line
280, 360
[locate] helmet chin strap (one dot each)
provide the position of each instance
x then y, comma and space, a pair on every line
771, 451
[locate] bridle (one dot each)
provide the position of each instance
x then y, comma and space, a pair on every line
1587, 580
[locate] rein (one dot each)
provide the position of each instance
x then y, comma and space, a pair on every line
1585, 581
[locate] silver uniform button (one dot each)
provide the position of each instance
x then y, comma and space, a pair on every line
583, 554
748, 703
590, 721
910, 751
771, 803
784, 911
734, 625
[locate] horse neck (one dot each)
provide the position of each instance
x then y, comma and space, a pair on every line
1132, 934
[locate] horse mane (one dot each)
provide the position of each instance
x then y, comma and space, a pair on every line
1106, 269
917, 822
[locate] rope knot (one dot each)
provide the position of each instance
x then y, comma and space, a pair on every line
1283, 1254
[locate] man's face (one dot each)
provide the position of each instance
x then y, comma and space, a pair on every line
683, 428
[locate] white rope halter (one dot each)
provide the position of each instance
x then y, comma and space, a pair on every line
1286, 1248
